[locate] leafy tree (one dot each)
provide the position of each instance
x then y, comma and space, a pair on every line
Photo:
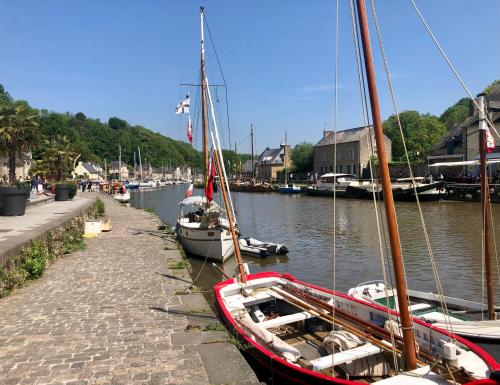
303, 157
455, 114
18, 131
57, 157
80, 116
4, 95
492, 86
421, 132
117, 124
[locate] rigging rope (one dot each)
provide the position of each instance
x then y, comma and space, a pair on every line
223, 78
450, 64
364, 105
422, 220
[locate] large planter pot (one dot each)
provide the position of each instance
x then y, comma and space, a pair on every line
62, 192
13, 200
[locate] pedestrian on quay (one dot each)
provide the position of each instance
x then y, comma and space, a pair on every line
89, 186
83, 184
34, 184
39, 186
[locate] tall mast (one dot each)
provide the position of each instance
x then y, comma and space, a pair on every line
140, 161
204, 101
485, 207
135, 167
251, 139
284, 160
120, 162
390, 211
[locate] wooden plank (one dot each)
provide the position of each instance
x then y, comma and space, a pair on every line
345, 356
284, 320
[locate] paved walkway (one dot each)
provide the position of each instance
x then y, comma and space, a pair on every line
112, 314
16, 231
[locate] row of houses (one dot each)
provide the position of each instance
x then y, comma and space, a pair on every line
115, 170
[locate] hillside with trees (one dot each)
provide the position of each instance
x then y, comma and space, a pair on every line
96, 141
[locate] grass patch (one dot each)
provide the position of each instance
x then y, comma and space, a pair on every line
239, 345
183, 264
150, 210
214, 327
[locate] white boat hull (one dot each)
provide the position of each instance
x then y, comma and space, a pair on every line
213, 244
122, 198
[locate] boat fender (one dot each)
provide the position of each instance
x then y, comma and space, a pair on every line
282, 250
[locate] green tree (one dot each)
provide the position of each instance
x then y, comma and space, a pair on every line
303, 157
455, 114
421, 132
18, 131
57, 157
492, 86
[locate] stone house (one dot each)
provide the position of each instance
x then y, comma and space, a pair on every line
23, 165
272, 161
461, 142
87, 170
353, 151
114, 170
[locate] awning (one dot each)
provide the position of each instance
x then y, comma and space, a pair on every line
194, 200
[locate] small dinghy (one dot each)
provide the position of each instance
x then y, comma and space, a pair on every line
257, 248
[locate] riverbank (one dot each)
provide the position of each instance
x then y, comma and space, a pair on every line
117, 312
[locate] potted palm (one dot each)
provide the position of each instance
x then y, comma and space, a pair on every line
18, 133
57, 158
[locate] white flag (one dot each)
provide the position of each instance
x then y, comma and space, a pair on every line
183, 107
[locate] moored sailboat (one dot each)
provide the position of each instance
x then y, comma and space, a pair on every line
201, 227
307, 334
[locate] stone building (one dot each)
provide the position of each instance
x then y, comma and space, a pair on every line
272, 161
87, 170
114, 170
23, 165
461, 142
353, 151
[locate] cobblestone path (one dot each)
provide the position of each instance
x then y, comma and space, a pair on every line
98, 316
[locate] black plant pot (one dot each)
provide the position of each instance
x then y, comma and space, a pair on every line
13, 200
62, 192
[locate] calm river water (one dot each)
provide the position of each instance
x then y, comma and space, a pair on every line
305, 225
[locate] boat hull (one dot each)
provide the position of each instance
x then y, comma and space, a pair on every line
428, 193
213, 244
122, 198
289, 190
290, 373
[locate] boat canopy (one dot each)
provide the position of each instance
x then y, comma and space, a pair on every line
194, 200
331, 174
463, 163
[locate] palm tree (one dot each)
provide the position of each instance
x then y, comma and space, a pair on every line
18, 131
57, 157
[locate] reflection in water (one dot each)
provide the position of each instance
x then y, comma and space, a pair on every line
305, 225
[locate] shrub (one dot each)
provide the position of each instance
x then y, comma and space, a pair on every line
100, 209
73, 190
10, 279
35, 258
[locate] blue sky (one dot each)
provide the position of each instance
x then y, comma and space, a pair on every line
126, 58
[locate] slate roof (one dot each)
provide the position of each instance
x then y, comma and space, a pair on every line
90, 168
456, 130
115, 163
271, 156
344, 136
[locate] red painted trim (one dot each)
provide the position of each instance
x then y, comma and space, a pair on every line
227, 316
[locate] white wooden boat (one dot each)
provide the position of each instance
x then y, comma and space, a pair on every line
464, 319
272, 316
202, 231
122, 198
256, 248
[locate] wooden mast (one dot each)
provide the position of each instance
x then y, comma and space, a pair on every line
284, 160
390, 211
204, 102
251, 139
485, 207
237, 253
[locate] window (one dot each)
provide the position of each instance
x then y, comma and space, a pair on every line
331, 168
348, 168
354, 169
